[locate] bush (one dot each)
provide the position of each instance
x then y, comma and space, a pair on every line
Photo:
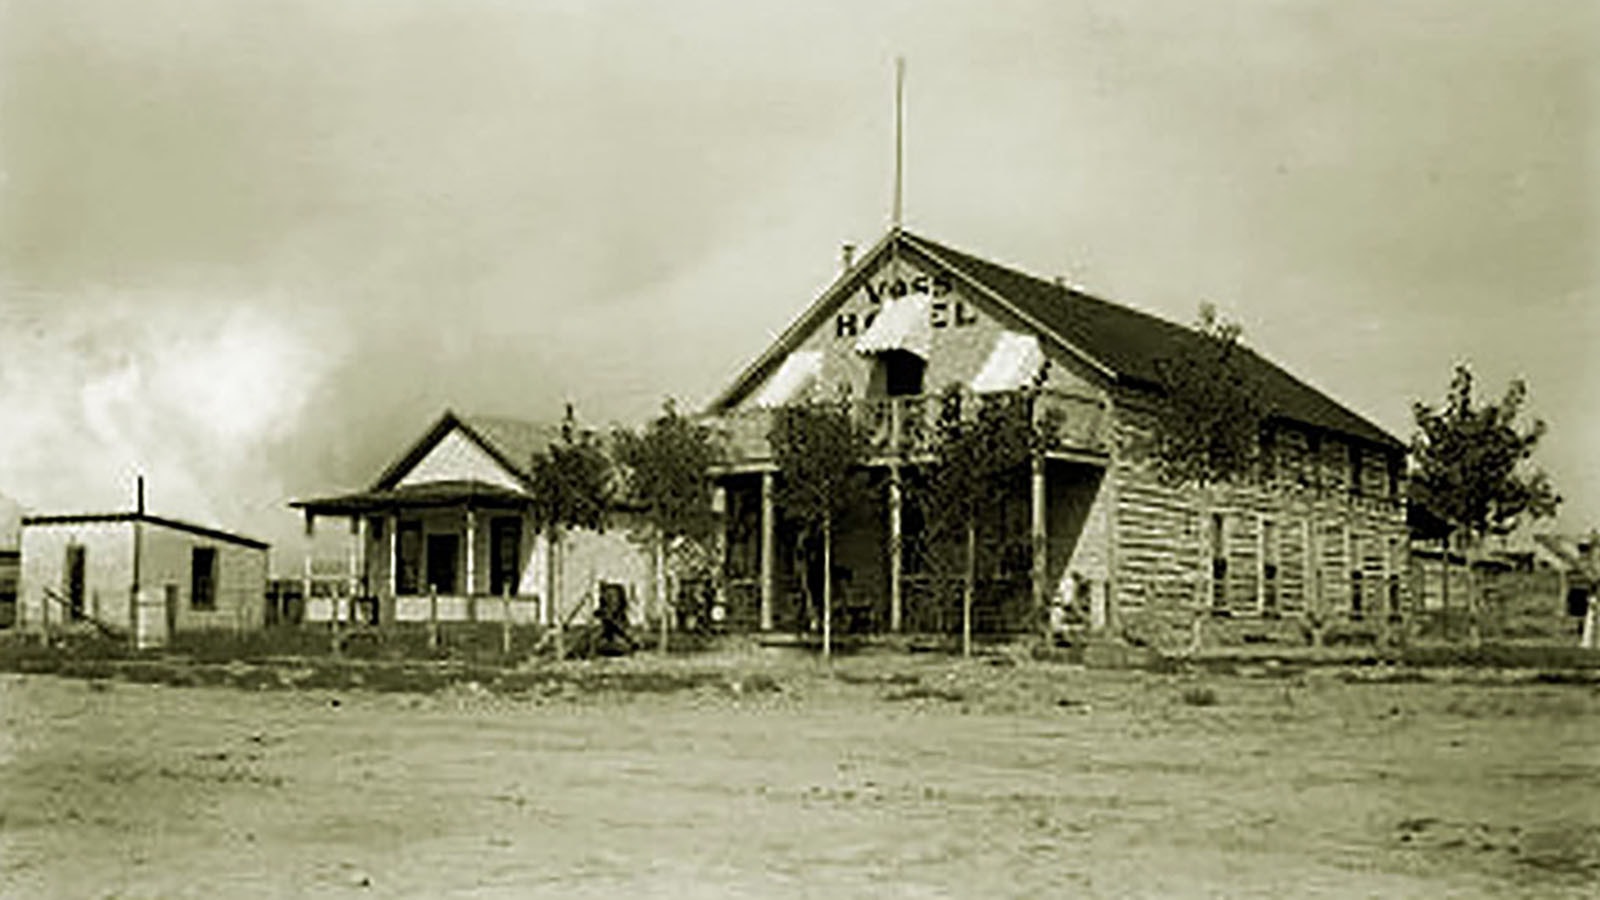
228, 646
1352, 634
1503, 656
1198, 695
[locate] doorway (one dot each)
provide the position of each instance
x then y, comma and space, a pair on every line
443, 550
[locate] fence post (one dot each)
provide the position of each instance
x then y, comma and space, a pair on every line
505, 620
433, 617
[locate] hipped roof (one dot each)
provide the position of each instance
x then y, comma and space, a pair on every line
1121, 343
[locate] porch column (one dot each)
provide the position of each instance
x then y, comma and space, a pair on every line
358, 535
895, 550
1040, 546
306, 548
392, 531
769, 548
471, 564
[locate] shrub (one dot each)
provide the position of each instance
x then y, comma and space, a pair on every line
1503, 656
1198, 695
227, 646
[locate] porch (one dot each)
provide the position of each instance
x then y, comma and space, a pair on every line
433, 552
894, 566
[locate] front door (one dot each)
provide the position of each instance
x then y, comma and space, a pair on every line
169, 603
443, 550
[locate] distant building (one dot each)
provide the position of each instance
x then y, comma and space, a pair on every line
10, 569
156, 575
10, 560
446, 533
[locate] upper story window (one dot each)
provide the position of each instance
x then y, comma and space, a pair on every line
898, 373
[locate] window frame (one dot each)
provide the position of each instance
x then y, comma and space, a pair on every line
203, 580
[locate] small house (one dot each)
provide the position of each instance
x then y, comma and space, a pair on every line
446, 533
156, 575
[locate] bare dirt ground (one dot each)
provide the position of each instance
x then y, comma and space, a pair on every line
890, 776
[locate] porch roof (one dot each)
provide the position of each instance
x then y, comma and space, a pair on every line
430, 494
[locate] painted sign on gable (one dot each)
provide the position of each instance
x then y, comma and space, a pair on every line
944, 311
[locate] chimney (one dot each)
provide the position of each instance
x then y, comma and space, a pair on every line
847, 257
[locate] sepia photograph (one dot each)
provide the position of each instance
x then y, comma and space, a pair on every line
712, 449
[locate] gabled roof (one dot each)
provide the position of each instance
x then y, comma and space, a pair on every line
1132, 343
1122, 344
512, 443
1568, 550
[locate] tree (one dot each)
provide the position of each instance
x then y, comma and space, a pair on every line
1210, 422
572, 487
981, 443
668, 466
1471, 468
820, 449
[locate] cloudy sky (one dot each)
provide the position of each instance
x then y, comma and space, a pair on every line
252, 249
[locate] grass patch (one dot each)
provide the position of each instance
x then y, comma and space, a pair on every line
926, 692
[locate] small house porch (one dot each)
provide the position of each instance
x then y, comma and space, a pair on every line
437, 551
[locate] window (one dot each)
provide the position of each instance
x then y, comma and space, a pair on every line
375, 527
505, 556
73, 578
901, 373
1219, 567
1269, 568
408, 558
203, 578
1357, 602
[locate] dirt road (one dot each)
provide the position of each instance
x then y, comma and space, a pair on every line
902, 779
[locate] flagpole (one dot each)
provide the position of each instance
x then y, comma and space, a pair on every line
899, 140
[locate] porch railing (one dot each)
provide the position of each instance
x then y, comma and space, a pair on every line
907, 426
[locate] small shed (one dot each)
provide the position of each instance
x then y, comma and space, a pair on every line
155, 575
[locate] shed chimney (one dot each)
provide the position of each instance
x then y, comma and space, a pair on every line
847, 257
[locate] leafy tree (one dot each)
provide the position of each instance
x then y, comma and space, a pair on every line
820, 449
668, 466
1471, 467
981, 444
572, 487
1209, 423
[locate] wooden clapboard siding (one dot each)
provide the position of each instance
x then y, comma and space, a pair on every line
1163, 559
1157, 536
1294, 463
1292, 565
1374, 472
